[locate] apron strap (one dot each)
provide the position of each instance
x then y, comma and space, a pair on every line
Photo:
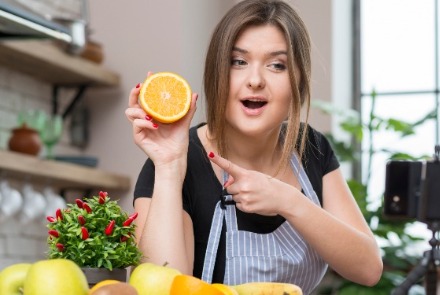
213, 241
304, 180
215, 232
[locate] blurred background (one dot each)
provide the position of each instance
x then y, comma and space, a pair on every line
375, 91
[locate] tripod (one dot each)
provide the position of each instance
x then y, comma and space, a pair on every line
427, 267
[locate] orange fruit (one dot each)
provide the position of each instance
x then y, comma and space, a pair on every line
189, 285
225, 289
165, 96
102, 283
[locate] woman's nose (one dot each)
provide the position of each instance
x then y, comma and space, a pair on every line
256, 79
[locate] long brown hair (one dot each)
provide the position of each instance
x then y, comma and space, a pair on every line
218, 62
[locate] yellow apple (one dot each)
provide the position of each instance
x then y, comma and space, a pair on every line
152, 279
55, 276
12, 278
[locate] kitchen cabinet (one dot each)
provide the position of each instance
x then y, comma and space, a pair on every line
60, 174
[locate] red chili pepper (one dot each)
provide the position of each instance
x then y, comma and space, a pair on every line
102, 197
51, 219
134, 215
127, 222
124, 238
60, 247
81, 220
130, 219
109, 229
79, 203
59, 214
84, 233
87, 207
54, 233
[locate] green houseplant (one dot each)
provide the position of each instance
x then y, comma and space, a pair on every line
393, 234
96, 234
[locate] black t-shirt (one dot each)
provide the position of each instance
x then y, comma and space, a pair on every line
202, 190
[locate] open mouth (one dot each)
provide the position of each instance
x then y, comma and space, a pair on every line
253, 104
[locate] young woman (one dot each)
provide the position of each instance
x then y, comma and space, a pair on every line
255, 194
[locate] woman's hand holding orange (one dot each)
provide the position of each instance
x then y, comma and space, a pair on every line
163, 143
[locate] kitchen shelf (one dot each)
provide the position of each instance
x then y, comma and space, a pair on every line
64, 175
46, 61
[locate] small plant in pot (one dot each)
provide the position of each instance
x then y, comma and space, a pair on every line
96, 234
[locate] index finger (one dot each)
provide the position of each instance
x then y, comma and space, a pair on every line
225, 164
133, 98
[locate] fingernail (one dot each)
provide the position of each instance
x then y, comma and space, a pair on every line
211, 155
148, 118
155, 125
138, 85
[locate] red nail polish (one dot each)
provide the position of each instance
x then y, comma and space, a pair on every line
138, 85
155, 125
211, 155
148, 118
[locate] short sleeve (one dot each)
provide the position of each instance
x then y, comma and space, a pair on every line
145, 182
329, 161
319, 159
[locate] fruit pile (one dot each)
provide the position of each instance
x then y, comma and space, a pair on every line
63, 276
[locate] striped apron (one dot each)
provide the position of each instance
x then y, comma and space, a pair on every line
280, 256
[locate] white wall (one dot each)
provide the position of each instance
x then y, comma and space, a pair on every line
140, 36
148, 36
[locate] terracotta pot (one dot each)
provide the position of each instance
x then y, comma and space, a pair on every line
96, 275
25, 140
93, 51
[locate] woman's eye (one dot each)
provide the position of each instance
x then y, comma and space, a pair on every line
238, 62
278, 66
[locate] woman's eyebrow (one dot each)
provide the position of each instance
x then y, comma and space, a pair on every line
235, 48
278, 52
273, 53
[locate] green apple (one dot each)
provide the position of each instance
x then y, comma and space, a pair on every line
12, 278
152, 279
55, 276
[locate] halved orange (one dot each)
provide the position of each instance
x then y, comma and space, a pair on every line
165, 96
189, 285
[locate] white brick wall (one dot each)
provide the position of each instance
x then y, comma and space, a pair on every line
21, 242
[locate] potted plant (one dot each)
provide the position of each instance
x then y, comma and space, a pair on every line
96, 234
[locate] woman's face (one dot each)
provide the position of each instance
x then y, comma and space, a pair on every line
260, 93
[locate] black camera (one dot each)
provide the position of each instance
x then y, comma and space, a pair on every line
412, 189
